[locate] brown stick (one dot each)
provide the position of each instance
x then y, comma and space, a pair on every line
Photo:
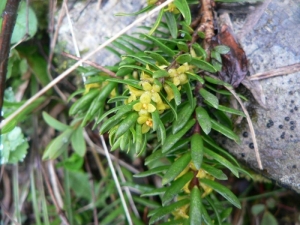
93, 64
284, 70
207, 24
9, 16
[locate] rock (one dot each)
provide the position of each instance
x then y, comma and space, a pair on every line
93, 26
271, 43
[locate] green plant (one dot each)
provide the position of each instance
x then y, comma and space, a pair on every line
161, 102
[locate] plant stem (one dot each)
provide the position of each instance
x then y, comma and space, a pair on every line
9, 16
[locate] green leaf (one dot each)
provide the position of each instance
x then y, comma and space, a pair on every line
77, 141
109, 123
131, 82
125, 125
176, 168
206, 218
36, 63
125, 140
173, 109
121, 46
172, 24
156, 120
175, 222
231, 110
58, 145
161, 212
138, 138
84, 189
176, 187
157, 22
84, 101
172, 139
203, 65
222, 190
14, 146
153, 171
189, 93
154, 156
134, 67
222, 161
217, 148
257, 209
136, 40
212, 99
177, 95
214, 80
222, 49
121, 110
197, 150
224, 130
54, 123
199, 50
214, 172
124, 72
183, 58
203, 119
144, 61
74, 162
159, 44
268, 219
195, 214
146, 202
184, 8
185, 35
213, 206
182, 46
184, 116
217, 56
161, 60
161, 132
144, 138
160, 73
117, 99
21, 26
225, 214
193, 76
154, 192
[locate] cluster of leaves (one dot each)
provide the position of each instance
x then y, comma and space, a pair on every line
161, 95
15, 146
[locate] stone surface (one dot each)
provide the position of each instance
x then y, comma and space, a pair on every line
270, 36
93, 26
272, 43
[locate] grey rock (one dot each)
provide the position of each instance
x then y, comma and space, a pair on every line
270, 43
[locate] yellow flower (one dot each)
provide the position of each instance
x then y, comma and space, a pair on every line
90, 86
172, 8
145, 76
170, 93
153, 90
178, 75
145, 103
146, 122
181, 212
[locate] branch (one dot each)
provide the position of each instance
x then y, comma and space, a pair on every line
9, 16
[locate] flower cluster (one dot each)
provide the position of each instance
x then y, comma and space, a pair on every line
178, 78
149, 99
182, 211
